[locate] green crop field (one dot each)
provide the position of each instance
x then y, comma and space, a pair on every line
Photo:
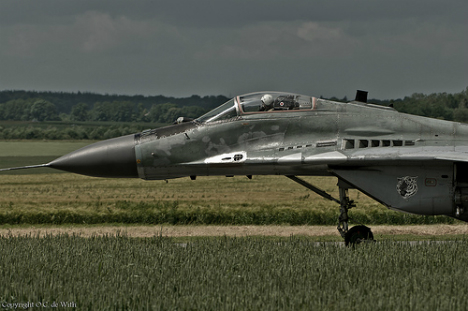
121, 273
253, 273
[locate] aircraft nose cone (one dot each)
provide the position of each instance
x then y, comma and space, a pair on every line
109, 158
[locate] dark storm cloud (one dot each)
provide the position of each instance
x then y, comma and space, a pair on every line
391, 48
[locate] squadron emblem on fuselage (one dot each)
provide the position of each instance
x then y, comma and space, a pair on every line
407, 186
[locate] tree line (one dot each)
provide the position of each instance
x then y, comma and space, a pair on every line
55, 106
444, 106
61, 106
135, 113
452, 107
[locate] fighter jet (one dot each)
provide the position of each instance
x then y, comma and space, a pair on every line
408, 163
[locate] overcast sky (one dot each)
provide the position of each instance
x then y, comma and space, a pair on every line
209, 47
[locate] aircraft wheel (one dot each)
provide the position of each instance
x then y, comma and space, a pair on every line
358, 234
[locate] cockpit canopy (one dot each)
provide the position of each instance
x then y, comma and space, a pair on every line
263, 102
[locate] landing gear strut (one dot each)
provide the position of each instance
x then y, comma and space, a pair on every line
356, 234
345, 205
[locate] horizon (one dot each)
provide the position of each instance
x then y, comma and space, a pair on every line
227, 96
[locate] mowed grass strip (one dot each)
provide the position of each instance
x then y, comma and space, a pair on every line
39, 148
264, 200
121, 273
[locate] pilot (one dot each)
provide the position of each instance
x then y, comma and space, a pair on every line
267, 102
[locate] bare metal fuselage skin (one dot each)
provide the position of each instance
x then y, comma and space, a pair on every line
410, 163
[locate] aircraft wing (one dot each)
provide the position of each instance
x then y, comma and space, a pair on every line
356, 157
413, 179
380, 156
418, 180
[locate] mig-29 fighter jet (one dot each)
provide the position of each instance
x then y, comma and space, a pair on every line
406, 162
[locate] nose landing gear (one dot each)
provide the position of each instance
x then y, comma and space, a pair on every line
356, 234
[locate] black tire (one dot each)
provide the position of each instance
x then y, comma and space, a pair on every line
358, 234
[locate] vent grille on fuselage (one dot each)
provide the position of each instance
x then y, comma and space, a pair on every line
373, 143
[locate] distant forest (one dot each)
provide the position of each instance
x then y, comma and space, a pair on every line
444, 106
58, 115
58, 106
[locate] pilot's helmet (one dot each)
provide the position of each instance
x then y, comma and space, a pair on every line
267, 101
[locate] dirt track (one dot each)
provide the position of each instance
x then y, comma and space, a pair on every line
183, 231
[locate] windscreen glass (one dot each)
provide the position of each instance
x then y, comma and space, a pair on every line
225, 111
258, 103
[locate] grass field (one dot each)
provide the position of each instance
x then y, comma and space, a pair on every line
69, 130
121, 273
264, 200
108, 271
68, 124
33, 197
22, 153
39, 148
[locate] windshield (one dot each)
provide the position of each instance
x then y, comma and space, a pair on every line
223, 112
258, 103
